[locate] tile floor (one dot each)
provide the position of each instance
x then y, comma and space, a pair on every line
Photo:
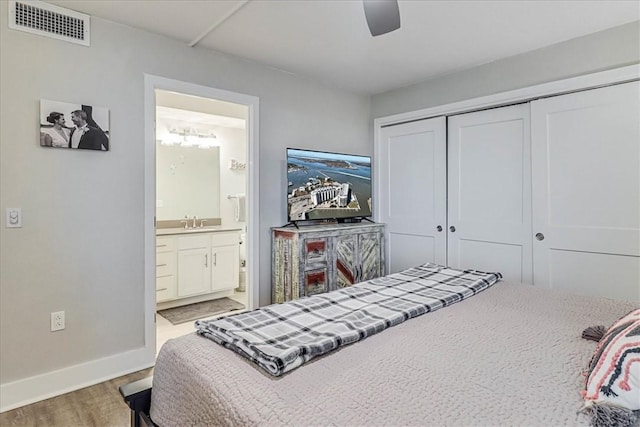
165, 330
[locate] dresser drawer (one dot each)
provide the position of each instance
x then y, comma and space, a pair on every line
315, 250
165, 288
194, 241
165, 244
315, 282
165, 264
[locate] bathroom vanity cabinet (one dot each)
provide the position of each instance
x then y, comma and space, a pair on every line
166, 266
196, 264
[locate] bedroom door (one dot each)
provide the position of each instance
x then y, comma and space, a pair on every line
586, 191
412, 193
489, 192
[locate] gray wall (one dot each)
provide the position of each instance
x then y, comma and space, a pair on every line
612, 48
81, 245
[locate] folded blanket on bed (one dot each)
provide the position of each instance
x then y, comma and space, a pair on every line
281, 337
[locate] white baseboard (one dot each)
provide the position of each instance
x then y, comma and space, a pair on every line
50, 384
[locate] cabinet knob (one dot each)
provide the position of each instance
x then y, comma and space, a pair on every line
439, 228
540, 236
452, 229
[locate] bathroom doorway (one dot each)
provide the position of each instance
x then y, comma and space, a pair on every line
204, 206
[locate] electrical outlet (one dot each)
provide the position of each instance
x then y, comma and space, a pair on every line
57, 321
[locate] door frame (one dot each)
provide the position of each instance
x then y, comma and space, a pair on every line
151, 83
559, 87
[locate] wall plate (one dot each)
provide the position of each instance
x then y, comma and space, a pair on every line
14, 217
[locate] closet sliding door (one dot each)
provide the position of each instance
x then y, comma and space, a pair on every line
489, 192
412, 189
586, 191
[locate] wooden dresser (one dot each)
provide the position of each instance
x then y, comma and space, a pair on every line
321, 258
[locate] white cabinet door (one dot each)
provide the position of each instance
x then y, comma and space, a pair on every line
224, 267
489, 192
412, 195
194, 271
586, 191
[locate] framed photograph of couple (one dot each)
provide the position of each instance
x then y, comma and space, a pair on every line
76, 126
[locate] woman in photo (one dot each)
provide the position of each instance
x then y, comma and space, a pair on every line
58, 135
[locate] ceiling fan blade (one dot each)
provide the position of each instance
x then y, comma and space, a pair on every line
383, 16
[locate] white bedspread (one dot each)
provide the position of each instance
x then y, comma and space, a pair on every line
511, 355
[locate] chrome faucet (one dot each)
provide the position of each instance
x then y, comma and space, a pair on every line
202, 221
194, 221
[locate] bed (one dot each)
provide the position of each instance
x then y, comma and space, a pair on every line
511, 354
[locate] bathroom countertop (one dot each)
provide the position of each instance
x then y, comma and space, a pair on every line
212, 229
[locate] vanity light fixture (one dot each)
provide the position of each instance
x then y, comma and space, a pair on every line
207, 141
171, 139
190, 138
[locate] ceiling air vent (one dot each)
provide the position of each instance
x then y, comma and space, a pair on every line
47, 20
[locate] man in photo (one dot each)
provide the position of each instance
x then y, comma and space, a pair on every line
85, 136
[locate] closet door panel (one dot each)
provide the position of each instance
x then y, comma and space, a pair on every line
410, 250
489, 181
413, 192
489, 192
503, 257
595, 274
586, 191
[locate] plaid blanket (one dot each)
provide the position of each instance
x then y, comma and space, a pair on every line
281, 337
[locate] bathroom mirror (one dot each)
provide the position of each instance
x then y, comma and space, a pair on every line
187, 182
190, 132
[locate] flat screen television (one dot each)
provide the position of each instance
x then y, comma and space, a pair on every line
324, 185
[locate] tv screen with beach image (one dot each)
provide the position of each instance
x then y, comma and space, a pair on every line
326, 185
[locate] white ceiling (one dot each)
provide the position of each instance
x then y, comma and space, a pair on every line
329, 41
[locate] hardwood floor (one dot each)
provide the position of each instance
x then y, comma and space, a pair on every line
100, 405
97, 406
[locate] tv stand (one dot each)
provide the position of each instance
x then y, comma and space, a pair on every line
324, 257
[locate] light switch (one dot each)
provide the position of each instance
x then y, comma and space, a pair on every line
14, 217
